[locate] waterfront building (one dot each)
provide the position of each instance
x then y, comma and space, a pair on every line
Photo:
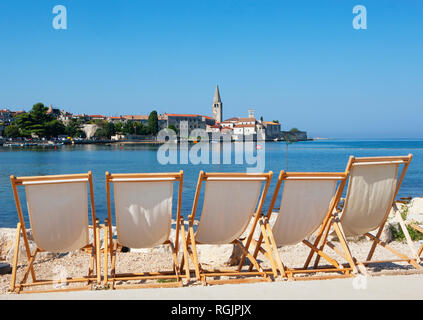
273, 129
6, 116
194, 121
93, 117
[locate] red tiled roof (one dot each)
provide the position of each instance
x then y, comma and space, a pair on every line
231, 119
96, 116
245, 126
226, 128
246, 119
181, 115
270, 122
135, 117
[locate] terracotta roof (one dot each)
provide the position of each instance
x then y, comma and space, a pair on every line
181, 115
215, 126
246, 119
270, 122
231, 119
135, 117
96, 116
115, 117
226, 128
245, 126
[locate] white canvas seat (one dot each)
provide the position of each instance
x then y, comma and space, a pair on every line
227, 210
143, 215
58, 215
370, 196
373, 185
306, 204
230, 202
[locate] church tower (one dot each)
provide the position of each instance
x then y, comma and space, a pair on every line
217, 107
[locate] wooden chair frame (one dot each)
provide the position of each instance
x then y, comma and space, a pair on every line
336, 223
111, 247
270, 249
191, 243
419, 229
91, 248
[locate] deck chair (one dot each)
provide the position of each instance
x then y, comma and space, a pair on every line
58, 214
373, 185
307, 202
143, 211
230, 201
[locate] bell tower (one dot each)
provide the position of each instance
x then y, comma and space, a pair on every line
217, 107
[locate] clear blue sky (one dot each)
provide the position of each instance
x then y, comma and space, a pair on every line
297, 61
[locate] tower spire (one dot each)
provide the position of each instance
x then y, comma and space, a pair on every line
217, 106
216, 98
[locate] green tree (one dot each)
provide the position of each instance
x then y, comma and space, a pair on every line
101, 133
38, 122
153, 123
109, 129
24, 122
294, 130
119, 127
54, 128
12, 131
128, 127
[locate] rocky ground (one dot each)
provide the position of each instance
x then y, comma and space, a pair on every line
48, 266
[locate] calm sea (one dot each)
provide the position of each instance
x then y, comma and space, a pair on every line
323, 155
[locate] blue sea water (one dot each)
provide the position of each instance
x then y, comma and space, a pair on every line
321, 155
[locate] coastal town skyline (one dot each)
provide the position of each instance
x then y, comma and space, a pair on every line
48, 122
301, 62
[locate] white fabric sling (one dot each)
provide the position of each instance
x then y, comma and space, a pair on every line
227, 209
304, 205
58, 215
369, 197
143, 212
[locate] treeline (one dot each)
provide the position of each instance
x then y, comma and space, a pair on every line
108, 129
38, 123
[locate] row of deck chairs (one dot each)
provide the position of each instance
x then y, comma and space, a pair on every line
232, 206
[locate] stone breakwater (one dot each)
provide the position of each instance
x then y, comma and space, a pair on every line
213, 254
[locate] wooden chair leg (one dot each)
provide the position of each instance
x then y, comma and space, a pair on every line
322, 246
194, 251
185, 260
269, 250
28, 269
340, 233
106, 254
15, 257
256, 251
175, 260
275, 249
251, 258
97, 251
113, 264
407, 236
398, 254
